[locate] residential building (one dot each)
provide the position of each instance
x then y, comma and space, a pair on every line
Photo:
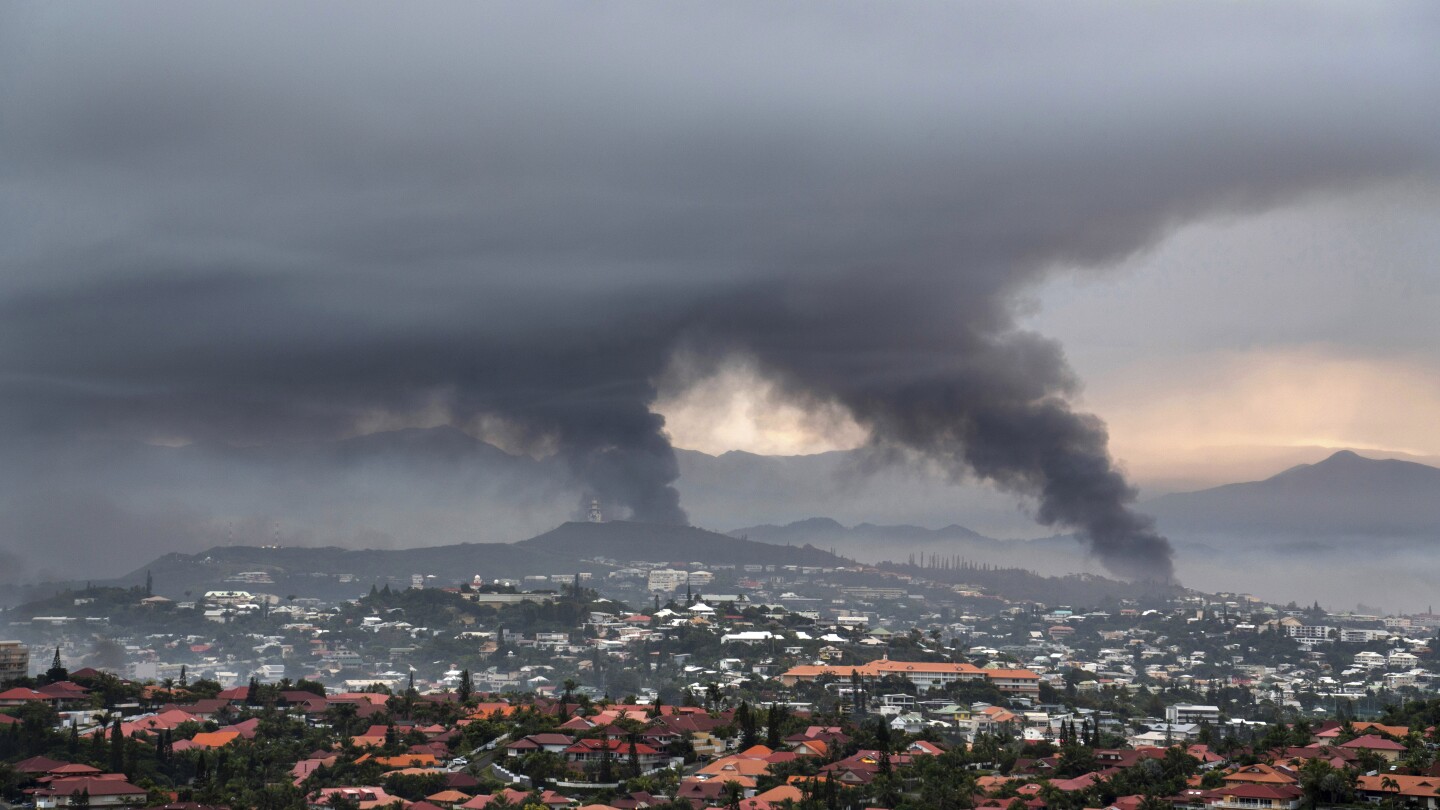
104, 790
666, 580
1356, 635
1412, 791
14, 660
1192, 713
1255, 797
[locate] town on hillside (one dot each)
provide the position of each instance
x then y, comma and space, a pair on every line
676, 685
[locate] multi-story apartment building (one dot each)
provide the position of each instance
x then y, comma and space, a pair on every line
14, 660
667, 580
1192, 713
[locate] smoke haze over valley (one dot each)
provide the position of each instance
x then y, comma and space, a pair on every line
1345, 529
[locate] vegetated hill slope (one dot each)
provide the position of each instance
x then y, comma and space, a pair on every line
1079, 591
1344, 495
625, 540
464, 560
870, 543
866, 542
315, 571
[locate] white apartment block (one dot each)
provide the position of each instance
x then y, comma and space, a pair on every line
667, 580
1186, 713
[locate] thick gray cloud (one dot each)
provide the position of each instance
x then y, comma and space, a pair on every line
251, 223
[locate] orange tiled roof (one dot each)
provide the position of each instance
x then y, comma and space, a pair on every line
1423, 786
1260, 774
215, 739
408, 761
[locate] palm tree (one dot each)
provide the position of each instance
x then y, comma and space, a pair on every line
733, 792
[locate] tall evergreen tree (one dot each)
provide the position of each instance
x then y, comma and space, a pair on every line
607, 765
97, 744
117, 748
745, 719
882, 735
57, 671
774, 723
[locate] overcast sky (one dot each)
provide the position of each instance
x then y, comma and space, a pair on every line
952, 229
1223, 353
1313, 324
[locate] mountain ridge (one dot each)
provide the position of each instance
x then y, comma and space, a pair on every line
875, 543
627, 540
1345, 494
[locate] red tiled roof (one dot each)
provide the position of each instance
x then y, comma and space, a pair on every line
1372, 742
1251, 790
38, 765
91, 785
21, 693
613, 745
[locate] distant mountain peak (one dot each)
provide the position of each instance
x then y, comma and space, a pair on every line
817, 523
1345, 494
1348, 464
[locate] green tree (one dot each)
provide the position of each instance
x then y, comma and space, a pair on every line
745, 719
775, 726
57, 671
117, 748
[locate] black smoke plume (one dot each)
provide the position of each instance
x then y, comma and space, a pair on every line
248, 225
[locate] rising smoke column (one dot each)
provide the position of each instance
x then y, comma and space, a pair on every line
939, 369
525, 212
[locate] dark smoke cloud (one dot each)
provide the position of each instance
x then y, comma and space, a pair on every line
252, 223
